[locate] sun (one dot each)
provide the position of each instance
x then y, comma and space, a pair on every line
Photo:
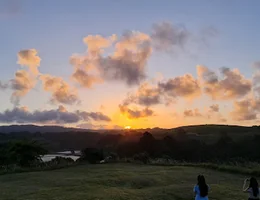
128, 127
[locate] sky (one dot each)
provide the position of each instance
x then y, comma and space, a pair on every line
140, 64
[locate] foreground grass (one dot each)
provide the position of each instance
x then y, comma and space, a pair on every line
118, 182
249, 169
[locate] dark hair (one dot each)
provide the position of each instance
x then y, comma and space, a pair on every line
254, 185
202, 186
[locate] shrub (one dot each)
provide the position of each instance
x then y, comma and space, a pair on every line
92, 155
143, 157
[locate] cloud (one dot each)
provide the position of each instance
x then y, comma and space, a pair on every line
206, 76
126, 63
182, 86
192, 113
85, 73
54, 116
96, 43
244, 110
146, 95
24, 79
3, 86
169, 37
232, 85
62, 109
214, 108
84, 79
129, 54
21, 85
60, 90
97, 116
29, 58
165, 92
135, 114
256, 65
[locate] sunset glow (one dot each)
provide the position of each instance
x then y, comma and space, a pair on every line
71, 66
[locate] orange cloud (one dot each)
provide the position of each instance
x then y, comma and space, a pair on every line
30, 59
244, 110
96, 43
21, 84
135, 114
24, 80
60, 90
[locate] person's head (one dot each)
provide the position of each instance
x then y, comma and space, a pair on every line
254, 185
202, 186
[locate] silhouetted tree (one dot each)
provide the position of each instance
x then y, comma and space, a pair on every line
92, 155
24, 153
148, 144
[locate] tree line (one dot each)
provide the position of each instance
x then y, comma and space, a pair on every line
179, 147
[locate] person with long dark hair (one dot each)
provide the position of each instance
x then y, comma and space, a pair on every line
201, 189
252, 189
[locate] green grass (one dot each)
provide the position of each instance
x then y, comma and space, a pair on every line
119, 182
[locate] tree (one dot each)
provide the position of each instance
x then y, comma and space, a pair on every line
92, 155
25, 153
148, 143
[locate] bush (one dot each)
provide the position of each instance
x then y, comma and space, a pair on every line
143, 157
92, 155
24, 153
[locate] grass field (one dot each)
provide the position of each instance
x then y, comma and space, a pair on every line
118, 182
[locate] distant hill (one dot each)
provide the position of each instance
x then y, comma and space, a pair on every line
200, 129
35, 129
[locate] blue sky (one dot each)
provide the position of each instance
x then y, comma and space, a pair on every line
56, 30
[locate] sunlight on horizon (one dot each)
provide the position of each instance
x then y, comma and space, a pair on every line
128, 127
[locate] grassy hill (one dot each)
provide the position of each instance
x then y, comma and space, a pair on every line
118, 182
